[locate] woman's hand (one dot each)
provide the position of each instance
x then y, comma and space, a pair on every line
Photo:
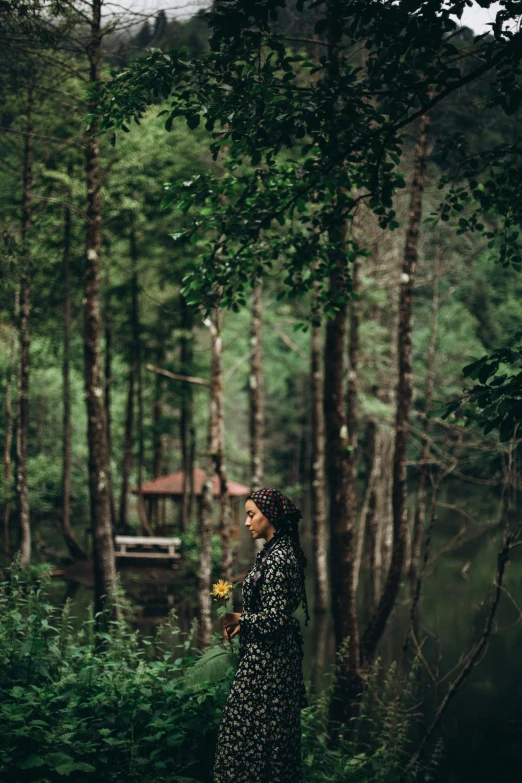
230, 622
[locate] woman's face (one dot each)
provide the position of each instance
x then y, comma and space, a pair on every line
257, 523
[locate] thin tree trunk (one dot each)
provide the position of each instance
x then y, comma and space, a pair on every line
320, 645
387, 505
24, 357
108, 389
217, 441
416, 592
127, 456
205, 552
9, 429
103, 550
137, 354
256, 389
187, 418
318, 484
366, 525
40, 428
73, 547
404, 396
157, 415
352, 412
318, 488
420, 509
211, 466
373, 521
157, 448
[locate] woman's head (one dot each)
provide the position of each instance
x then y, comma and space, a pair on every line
259, 525
271, 513
269, 510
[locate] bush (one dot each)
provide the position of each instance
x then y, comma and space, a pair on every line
101, 704
94, 701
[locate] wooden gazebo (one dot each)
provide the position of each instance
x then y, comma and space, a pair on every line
159, 490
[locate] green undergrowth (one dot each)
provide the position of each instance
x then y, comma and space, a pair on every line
102, 704
377, 748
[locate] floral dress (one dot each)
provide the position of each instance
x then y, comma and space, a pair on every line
259, 739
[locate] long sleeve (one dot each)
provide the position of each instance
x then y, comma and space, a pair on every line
275, 598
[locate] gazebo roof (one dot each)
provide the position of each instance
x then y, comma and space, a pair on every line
172, 486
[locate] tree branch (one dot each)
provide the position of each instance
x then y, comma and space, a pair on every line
176, 377
474, 656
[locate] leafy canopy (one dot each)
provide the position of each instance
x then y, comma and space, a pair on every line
309, 133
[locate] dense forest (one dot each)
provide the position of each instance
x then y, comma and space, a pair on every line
277, 243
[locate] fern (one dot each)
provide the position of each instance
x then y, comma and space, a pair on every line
215, 664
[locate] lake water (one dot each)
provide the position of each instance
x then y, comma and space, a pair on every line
482, 730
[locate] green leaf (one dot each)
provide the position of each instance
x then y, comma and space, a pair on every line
472, 370
30, 762
57, 758
322, 26
193, 121
212, 666
64, 764
506, 429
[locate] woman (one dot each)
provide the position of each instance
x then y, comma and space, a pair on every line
259, 738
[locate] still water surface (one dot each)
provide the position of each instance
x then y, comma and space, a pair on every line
482, 730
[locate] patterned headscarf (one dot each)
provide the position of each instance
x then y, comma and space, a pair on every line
277, 507
285, 516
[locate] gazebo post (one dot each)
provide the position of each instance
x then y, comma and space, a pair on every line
152, 507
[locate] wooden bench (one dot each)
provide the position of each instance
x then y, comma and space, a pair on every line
137, 545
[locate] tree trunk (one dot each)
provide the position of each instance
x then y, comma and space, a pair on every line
366, 533
9, 429
257, 423
342, 540
348, 686
352, 413
205, 553
24, 358
217, 441
212, 466
373, 519
123, 522
157, 415
320, 647
157, 448
103, 549
136, 355
40, 427
187, 418
73, 547
420, 509
387, 506
404, 396
318, 486
108, 390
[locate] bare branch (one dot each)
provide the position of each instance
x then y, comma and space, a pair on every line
477, 652
176, 377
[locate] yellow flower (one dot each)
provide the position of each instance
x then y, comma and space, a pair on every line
221, 589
